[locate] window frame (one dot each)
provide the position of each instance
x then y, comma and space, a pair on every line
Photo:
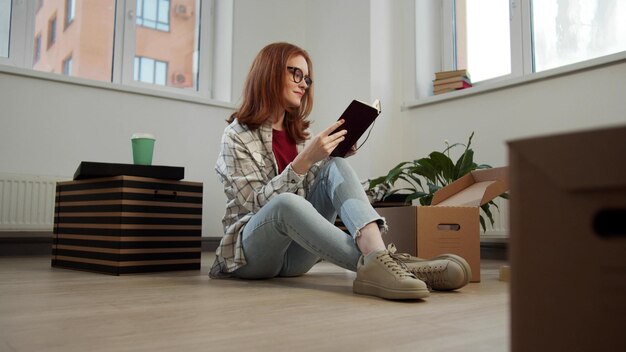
20, 60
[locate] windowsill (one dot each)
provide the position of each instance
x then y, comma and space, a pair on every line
517, 81
17, 71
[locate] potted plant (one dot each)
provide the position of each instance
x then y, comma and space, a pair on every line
424, 176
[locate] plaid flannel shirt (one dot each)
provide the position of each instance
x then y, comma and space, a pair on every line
247, 168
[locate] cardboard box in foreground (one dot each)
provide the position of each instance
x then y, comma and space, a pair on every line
568, 242
451, 224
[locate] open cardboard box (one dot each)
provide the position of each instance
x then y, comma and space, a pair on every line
568, 241
451, 224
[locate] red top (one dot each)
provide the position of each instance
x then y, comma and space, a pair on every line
284, 148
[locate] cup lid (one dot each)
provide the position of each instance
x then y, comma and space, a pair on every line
143, 135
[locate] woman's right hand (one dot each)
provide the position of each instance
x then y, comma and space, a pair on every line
319, 148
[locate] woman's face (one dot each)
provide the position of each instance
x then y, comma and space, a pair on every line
296, 68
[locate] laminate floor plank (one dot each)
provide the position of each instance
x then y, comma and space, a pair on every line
52, 309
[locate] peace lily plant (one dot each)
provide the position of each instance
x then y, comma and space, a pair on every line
424, 176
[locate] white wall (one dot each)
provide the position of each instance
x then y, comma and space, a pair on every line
583, 100
48, 128
359, 49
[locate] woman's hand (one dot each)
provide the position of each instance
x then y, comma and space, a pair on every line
319, 148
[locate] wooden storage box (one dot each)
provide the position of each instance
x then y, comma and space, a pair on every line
568, 241
126, 224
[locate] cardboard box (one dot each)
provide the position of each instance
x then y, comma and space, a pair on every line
568, 242
127, 224
451, 224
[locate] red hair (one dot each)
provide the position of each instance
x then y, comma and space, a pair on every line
263, 95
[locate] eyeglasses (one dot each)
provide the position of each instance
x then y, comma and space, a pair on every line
298, 76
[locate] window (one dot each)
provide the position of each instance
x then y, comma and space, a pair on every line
92, 42
565, 32
70, 8
179, 46
149, 70
52, 31
483, 47
67, 66
500, 39
5, 26
154, 14
149, 44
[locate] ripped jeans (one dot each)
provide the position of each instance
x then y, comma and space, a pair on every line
290, 233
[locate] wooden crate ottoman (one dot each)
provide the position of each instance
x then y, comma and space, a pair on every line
127, 224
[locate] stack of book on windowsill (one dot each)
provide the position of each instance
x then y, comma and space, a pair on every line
447, 81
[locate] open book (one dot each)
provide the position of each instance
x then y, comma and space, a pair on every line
358, 117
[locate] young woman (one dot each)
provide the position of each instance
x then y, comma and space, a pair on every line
283, 196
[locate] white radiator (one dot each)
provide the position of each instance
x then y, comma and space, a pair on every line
500, 228
27, 202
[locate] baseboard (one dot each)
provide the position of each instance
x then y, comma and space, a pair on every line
494, 250
210, 244
40, 243
25, 245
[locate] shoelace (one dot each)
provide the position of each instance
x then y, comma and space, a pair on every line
396, 266
432, 276
401, 257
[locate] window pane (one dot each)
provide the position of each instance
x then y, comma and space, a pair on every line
569, 31
171, 38
88, 40
5, 26
483, 38
146, 73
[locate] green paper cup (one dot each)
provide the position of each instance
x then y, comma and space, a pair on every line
143, 148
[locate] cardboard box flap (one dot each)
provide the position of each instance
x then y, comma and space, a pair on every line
474, 189
569, 160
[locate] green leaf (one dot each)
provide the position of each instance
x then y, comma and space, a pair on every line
445, 165
415, 195
482, 223
465, 164
486, 210
426, 169
378, 180
426, 200
432, 188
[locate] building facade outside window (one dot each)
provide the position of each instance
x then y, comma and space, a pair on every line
37, 49
169, 32
154, 14
149, 70
70, 11
67, 66
52, 30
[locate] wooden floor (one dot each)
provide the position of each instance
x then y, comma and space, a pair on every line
50, 309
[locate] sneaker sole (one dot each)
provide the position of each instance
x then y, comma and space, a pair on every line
370, 289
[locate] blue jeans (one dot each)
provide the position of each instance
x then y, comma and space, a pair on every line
290, 233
